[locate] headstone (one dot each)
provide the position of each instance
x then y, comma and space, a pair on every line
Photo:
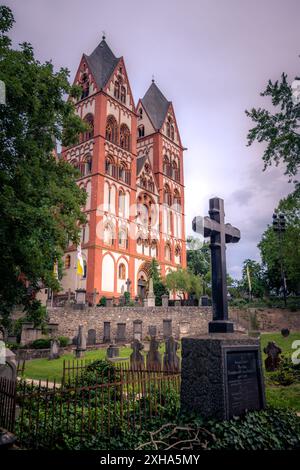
80, 343
29, 333
54, 350
53, 329
165, 300
150, 301
177, 303
137, 329
112, 351
152, 331
121, 301
109, 302
80, 296
136, 358
137, 301
128, 283
167, 328
204, 301
153, 356
285, 332
171, 360
221, 372
106, 332
121, 328
8, 364
184, 328
273, 352
91, 338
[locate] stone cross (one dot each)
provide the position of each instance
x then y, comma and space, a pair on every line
128, 283
220, 233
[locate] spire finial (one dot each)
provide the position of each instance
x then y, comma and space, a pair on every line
103, 35
153, 78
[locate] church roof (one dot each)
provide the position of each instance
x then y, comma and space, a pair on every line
140, 163
156, 105
102, 63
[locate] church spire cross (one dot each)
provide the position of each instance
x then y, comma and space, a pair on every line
103, 35
220, 233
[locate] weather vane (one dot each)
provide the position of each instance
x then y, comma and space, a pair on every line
153, 78
103, 35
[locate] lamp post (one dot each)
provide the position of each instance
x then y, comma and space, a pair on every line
279, 228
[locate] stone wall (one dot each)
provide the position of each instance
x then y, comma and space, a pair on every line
185, 320
266, 319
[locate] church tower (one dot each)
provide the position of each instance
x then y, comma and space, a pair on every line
130, 161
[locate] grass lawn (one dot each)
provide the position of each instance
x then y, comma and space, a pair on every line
284, 343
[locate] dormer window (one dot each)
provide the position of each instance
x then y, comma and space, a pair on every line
141, 131
117, 90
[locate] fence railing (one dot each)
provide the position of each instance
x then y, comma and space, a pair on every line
49, 416
7, 403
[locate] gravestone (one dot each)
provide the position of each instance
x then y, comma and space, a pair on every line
137, 361
150, 300
171, 360
80, 343
106, 332
184, 328
52, 329
80, 296
8, 364
121, 301
153, 356
165, 300
152, 331
112, 351
137, 329
109, 302
29, 333
204, 301
285, 332
121, 328
137, 301
54, 350
177, 303
273, 356
221, 372
91, 338
167, 328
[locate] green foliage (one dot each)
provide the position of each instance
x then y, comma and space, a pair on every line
36, 313
184, 281
102, 302
287, 372
42, 343
127, 298
272, 248
278, 130
271, 429
63, 341
159, 286
256, 276
40, 202
198, 256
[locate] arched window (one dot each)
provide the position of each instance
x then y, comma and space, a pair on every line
178, 254
172, 132
122, 271
151, 185
117, 90
110, 167
177, 200
167, 166
141, 131
87, 165
121, 203
168, 129
111, 132
108, 235
85, 85
141, 113
84, 269
176, 172
167, 195
89, 133
123, 240
154, 250
167, 252
123, 94
122, 171
124, 137
67, 262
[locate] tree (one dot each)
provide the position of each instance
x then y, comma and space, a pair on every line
159, 286
280, 129
40, 202
256, 278
198, 256
183, 281
271, 248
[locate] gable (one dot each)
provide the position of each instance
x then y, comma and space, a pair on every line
169, 127
118, 82
144, 119
145, 175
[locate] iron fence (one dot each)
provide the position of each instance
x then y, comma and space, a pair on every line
7, 403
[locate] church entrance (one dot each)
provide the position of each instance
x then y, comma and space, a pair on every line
142, 282
142, 287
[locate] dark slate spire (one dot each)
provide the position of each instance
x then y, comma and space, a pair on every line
102, 62
156, 105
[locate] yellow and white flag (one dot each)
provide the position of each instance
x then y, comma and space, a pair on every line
249, 278
80, 267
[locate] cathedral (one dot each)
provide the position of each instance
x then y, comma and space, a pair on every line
131, 166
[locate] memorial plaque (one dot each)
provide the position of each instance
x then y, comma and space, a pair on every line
243, 381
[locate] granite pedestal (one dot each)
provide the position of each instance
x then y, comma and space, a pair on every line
221, 375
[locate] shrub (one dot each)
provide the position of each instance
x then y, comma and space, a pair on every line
63, 341
287, 372
102, 302
43, 343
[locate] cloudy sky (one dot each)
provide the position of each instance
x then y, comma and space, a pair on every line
211, 58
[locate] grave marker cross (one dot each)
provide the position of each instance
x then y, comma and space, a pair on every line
128, 283
220, 233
